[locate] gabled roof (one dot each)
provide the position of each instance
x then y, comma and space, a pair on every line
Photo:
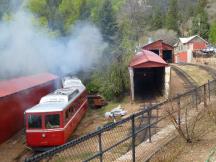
12, 86
188, 39
159, 44
146, 59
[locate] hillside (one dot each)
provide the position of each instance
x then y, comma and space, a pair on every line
122, 27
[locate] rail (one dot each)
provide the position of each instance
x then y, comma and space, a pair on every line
210, 70
112, 141
187, 78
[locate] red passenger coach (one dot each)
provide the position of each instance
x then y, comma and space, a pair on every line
52, 121
17, 95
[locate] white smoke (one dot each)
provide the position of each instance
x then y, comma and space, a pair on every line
25, 49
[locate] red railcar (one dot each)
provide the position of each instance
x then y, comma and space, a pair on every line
19, 94
52, 121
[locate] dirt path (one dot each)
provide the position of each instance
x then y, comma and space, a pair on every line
14, 149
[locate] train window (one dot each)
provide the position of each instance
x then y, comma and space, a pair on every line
52, 121
34, 121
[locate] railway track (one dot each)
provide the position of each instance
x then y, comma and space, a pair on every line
190, 83
209, 69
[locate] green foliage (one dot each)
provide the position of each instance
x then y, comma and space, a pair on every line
200, 21
7, 7
47, 12
57, 15
92, 88
85, 10
110, 81
70, 11
157, 20
107, 22
117, 4
212, 33
172, 16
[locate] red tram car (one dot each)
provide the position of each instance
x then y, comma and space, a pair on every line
52, 121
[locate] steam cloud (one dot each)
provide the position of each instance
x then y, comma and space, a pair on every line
25, 49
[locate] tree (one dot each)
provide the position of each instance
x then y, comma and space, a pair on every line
157, 19
9, 6
70, 11
85, 10
168, 36
212, 33
107, 22
172, 15
200, 21
57, 15
47, 11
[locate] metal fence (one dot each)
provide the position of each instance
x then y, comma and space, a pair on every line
114, 140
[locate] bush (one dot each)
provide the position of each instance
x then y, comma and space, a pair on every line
92, 88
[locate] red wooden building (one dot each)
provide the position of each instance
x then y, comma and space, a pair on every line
162, 49
185, 47
17, 95
147, 74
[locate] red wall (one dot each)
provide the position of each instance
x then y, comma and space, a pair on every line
199, 45
12, 107
182, 57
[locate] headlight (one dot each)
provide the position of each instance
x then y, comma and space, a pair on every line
43, 135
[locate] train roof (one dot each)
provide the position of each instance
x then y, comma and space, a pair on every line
57, 100
47, 107
71, 82
8, 87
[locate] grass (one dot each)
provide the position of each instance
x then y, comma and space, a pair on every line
200, 76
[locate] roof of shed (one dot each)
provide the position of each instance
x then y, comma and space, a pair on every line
8, 87
188, 39
159, 44
147, 59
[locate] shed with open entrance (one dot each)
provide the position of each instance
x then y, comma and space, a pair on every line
149, 75
162, 49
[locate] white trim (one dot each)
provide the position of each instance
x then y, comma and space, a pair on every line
55, 129
185, 40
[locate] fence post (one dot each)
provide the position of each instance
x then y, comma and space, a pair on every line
205, 98
100, 145
149, 125
133, 137
209, 90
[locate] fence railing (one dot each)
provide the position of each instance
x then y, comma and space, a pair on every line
114, 140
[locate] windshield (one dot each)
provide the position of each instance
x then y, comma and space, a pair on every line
52, 121
34, 121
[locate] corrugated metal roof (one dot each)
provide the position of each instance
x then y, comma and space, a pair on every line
147, 59
11, 86
159, 44
188, 39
